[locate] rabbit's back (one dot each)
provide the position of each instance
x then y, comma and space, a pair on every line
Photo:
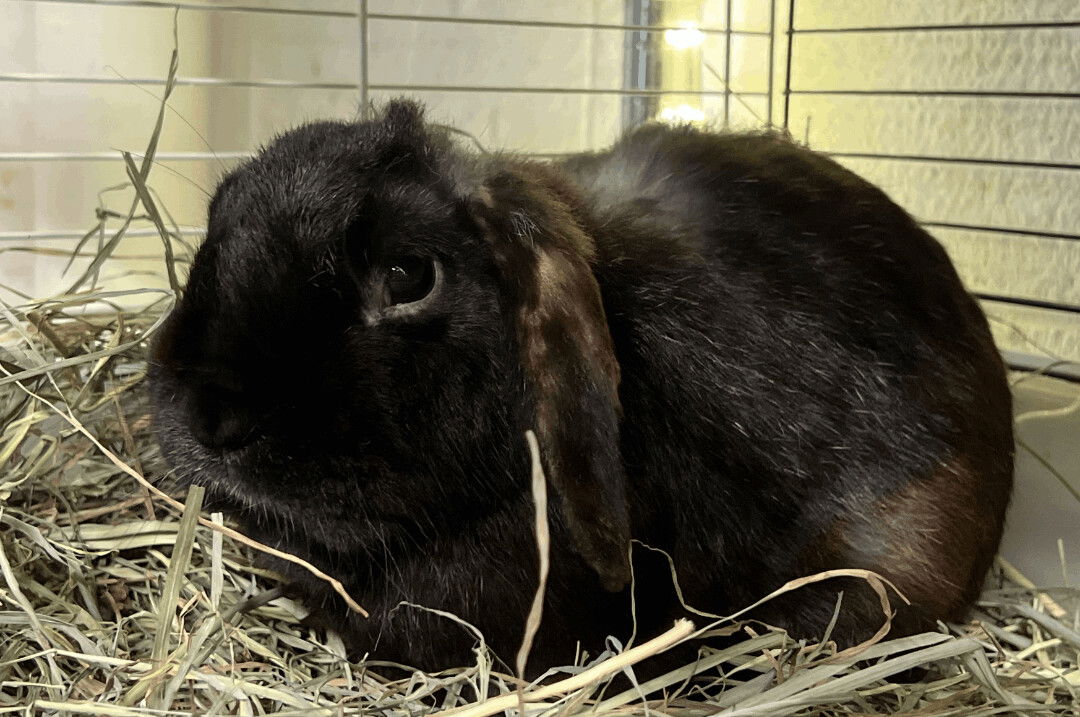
840, 389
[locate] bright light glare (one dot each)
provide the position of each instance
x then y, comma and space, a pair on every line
684, 37
682, 113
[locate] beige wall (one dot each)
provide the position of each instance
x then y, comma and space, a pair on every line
999, 128
581, 69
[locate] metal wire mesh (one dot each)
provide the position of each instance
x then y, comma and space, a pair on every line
639, 92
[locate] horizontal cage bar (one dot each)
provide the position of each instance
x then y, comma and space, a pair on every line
164, 5
938, 28
559, 90
555, 24
197, 7
1018, 94
1003, 230
954, 160
46, 234
1034, 303
1030, 363
187, 81
117, 155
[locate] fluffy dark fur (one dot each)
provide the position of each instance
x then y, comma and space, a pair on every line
730, 347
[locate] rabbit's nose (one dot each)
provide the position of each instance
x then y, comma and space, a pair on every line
221, 418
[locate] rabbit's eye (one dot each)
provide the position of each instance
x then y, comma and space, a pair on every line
409, 279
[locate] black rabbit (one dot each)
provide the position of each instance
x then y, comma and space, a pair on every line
730, 347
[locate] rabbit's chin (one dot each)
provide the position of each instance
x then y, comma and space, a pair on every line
329, 501
250, 479
231, 486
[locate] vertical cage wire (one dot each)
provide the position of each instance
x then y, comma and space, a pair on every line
362, 30
639, 94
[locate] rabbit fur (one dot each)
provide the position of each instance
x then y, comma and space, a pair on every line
731, 349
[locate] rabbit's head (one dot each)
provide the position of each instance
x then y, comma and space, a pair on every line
373, 322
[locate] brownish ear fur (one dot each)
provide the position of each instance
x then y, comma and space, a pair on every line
567, 354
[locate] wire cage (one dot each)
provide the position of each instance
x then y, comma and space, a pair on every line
965, 112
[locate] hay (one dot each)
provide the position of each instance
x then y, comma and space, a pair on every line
114, 601
113, 604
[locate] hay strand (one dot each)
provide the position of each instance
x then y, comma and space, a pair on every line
543, 549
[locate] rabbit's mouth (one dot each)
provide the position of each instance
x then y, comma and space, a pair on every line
261, 477
228, 484
300, 506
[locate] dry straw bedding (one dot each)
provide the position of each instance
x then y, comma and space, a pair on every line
118, 601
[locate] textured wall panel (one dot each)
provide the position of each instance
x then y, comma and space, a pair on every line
1043, 60
60, 195
507, 56
340, 6
544, 123
1015, 197
749, 63
556, 123
98, 41
138, 266
884, 13
937, 127
580, 11
1034, 331
249, 117
752, 15
110, 118
1015, 265
283, 47
84, 39
746, 112
1024, 129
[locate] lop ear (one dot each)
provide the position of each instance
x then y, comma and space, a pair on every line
567, 355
